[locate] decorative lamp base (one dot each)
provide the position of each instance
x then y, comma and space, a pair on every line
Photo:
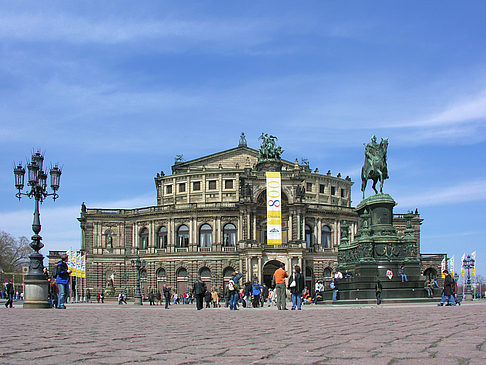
35, 294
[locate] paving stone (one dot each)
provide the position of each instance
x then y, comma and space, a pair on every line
112, 334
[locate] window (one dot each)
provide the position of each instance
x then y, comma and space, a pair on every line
308, 236
342, 193
182, 187
205, 235
183, 236
308, 187
162, 237
228, 184
144, 238
327, 272
228, 272
168, 189
229, 235
205, 273
326, 237
196, 186
212, 184
161, 275
333, 190
182, 273
322, 188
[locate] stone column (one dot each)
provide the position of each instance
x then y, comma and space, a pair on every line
260, 274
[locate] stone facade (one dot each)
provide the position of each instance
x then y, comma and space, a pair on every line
210, 220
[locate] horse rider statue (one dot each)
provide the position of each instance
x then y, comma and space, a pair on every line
374, 167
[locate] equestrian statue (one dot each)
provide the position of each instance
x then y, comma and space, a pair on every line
374, 167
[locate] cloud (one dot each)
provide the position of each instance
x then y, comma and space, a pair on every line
461, 193
460, 112
68, 28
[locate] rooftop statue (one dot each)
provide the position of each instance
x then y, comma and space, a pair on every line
269, 149
374, 167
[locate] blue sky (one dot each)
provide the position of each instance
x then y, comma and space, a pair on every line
114, 90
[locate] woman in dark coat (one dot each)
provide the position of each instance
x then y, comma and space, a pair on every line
296, 286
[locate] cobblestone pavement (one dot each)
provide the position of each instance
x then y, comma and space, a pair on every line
112, 334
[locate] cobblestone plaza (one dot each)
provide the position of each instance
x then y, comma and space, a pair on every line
112, 334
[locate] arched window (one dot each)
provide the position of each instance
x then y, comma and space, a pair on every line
308, 236
326, 237
182, 273
161, 275
308, 272
228, 272
205, 235
205, 273
327, 272
183, 236
108, 238
229, 235
144, 234
162, 237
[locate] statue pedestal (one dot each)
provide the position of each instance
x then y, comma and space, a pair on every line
376, 249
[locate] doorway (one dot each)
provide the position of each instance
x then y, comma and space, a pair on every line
268, 270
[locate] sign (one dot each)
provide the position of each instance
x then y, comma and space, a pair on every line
452, 266
443, 266
274, 208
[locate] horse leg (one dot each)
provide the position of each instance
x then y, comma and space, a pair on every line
363, 187
381, 182
374, 185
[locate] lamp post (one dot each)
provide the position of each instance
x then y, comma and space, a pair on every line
468, 264
139, 265
36, 285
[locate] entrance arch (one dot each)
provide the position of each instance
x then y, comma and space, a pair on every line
268, 270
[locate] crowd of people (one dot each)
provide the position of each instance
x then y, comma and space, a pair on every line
234, 295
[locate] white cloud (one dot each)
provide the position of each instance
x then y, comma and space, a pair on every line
460, 112
461, 193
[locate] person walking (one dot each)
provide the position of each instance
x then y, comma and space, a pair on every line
9, 292
198, 290
62, 280
215, 296
234, 290
296, 286
256, 292
378, 289
166, 291
158, 296
279, 278
208, 298
448, 290
334, 288
151, 298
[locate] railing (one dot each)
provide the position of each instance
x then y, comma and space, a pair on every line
229, 248
162, 208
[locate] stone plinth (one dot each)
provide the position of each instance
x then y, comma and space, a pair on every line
376, 249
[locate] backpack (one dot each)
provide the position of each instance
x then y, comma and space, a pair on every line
231, 285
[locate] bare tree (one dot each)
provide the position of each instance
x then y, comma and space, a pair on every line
14, 252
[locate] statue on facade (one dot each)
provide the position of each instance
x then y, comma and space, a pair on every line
242, 142
269, 149
374, 167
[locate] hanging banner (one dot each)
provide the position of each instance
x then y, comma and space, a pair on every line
452, 266
83, 266
473, 256
69, 254
274, 208
462, 264
443, 266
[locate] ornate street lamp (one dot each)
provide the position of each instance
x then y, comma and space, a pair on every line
36, 285
139, 265
468, 264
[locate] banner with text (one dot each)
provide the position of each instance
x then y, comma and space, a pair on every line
274, 208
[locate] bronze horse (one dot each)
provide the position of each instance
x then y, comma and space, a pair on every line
375, 167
